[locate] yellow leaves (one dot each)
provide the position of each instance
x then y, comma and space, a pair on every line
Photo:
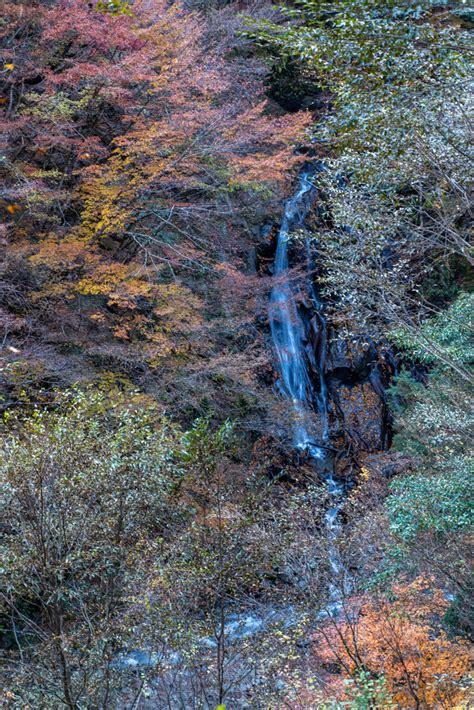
177, 304
119, 282
9, 66
103, 214
176, 313
134, 306
55, 107
108, 194
160, 346
61, 290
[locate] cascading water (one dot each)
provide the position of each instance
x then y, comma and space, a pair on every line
289, 338
287, 327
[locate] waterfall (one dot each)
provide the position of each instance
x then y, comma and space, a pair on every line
288, 330
289, 338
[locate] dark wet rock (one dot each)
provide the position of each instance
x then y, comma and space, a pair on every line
332, 668
294, 91
388, 464
265, 249
350, 361
266, 373
358, 373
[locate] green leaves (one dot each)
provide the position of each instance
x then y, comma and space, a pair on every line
366, 692
203, 444
429, 509
447, 335
441, 504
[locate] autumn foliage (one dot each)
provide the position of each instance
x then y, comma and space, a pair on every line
128, 154
392, 636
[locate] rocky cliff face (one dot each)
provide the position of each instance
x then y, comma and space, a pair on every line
358, 373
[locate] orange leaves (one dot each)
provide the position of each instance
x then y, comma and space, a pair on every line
394, 637
60, 255
262, 146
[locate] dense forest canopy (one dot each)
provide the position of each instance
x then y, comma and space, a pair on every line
236, 354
